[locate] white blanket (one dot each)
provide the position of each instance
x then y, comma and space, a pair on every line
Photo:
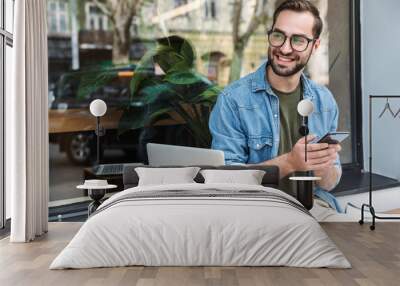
183, 231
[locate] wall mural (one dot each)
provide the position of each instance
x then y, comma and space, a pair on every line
160, 65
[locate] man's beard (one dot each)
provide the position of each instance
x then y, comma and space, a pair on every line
285, 71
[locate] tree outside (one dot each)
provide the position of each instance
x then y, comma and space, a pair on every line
242, 31
121, 14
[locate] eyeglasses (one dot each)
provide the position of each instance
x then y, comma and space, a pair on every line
298, 43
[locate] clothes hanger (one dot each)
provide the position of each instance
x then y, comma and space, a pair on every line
398, 111
387, 107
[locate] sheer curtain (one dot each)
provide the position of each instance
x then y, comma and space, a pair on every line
27, 124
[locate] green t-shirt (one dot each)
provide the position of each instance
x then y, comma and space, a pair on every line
290, 121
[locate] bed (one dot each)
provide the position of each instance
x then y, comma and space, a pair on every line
198, 224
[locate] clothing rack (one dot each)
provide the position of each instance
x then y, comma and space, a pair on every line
370, 205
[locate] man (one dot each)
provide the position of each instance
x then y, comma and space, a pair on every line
255, 119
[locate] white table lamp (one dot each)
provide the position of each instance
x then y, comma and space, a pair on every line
98, 108
305, 108
305, 183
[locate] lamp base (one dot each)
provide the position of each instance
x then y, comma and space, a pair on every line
96, 195
305, 189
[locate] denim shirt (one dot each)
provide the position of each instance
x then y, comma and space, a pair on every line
245, 121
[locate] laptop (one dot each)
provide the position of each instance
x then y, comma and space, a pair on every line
172, 155
112, 169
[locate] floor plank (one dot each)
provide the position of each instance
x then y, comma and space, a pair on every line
374, 255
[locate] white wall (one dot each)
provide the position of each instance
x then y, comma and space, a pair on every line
380, 40
384, 200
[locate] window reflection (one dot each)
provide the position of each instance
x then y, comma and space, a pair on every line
57, 15
210, 9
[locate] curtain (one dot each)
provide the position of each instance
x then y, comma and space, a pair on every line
27, 123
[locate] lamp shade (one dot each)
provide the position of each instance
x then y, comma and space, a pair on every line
305, 107
98, 107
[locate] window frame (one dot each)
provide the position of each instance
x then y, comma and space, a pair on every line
57, 14
355, 87
6, 39
210, 10
93, 18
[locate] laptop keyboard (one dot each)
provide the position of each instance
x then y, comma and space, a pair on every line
113, 169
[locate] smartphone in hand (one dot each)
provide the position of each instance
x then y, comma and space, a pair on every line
331, 138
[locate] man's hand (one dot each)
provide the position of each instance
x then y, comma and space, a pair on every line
320, 156
320, 159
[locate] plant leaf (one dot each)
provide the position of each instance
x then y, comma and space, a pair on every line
182, 78
162, 113
91, 81
208, 96
187, 52
167, 58
174, 53
143, 71
180, 66
160, 91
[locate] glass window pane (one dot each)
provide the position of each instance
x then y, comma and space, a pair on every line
9, 15
213, 10
53, 6
207, 47
63, 23
53, 24
338, 26
101, 24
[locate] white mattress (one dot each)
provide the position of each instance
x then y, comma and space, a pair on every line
200, 231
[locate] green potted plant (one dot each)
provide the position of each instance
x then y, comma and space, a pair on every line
178, 91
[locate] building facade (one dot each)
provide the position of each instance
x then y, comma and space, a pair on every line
80, 32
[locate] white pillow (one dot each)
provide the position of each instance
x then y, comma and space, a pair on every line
248, 177
165, 176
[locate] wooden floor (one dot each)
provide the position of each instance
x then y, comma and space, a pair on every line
375, 257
